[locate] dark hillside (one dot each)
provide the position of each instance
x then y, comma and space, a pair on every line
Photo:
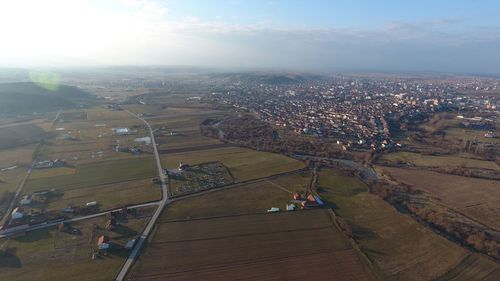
27, 97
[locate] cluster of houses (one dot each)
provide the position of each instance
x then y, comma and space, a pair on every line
302, 201
355, 112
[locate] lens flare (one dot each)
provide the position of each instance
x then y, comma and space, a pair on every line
45, 79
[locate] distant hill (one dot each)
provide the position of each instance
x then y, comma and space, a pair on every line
267, 78
27, 97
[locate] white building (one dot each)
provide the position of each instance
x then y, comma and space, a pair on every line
17, 213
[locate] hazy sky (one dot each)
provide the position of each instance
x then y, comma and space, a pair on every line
438, 35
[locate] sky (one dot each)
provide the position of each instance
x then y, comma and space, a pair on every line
426, 35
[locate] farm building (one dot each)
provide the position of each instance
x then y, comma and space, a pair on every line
26, 200
103, 242
17, 213
183, 167
110, 224
145, 140
297, 196
91, 204
121, 131
273, 210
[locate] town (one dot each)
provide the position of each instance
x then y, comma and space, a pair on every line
361, 112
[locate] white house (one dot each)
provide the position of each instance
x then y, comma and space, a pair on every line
273, 210
17, 213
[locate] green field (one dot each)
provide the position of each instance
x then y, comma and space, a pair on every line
401, 247
47, 254
436, 161
98, 173
243, 163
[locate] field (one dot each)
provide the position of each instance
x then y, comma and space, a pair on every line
94, 170
94, 174
437, 161
20, 156
477, 198
48, 254
461, 133
181, 133
243, 163
402, 248
109, 196
250, 198
20, 135
295, 245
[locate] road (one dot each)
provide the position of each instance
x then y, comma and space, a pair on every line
18, 191
45, 225
161, 204
164, 202
23, 182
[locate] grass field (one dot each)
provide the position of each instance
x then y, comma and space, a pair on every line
109, 196
243, 163
437, 161
94, 174
249, 198
20, 156
21, 135
401, 247
295, 245
47, 254
462, 134
477, 198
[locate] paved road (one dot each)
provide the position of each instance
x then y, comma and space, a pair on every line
164, 202
45, 225
18, 191
23, 182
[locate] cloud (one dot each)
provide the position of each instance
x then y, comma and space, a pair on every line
79, 32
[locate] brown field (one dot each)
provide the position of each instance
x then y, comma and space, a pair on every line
109, 196
477, 198
249, 198
301, 245
400, 247
243, 163
20, 156
473, 267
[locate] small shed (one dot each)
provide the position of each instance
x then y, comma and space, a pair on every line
273, 210
17, 213
91, 204
103, 242
26, 200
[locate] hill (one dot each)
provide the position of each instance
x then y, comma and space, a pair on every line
27, 97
